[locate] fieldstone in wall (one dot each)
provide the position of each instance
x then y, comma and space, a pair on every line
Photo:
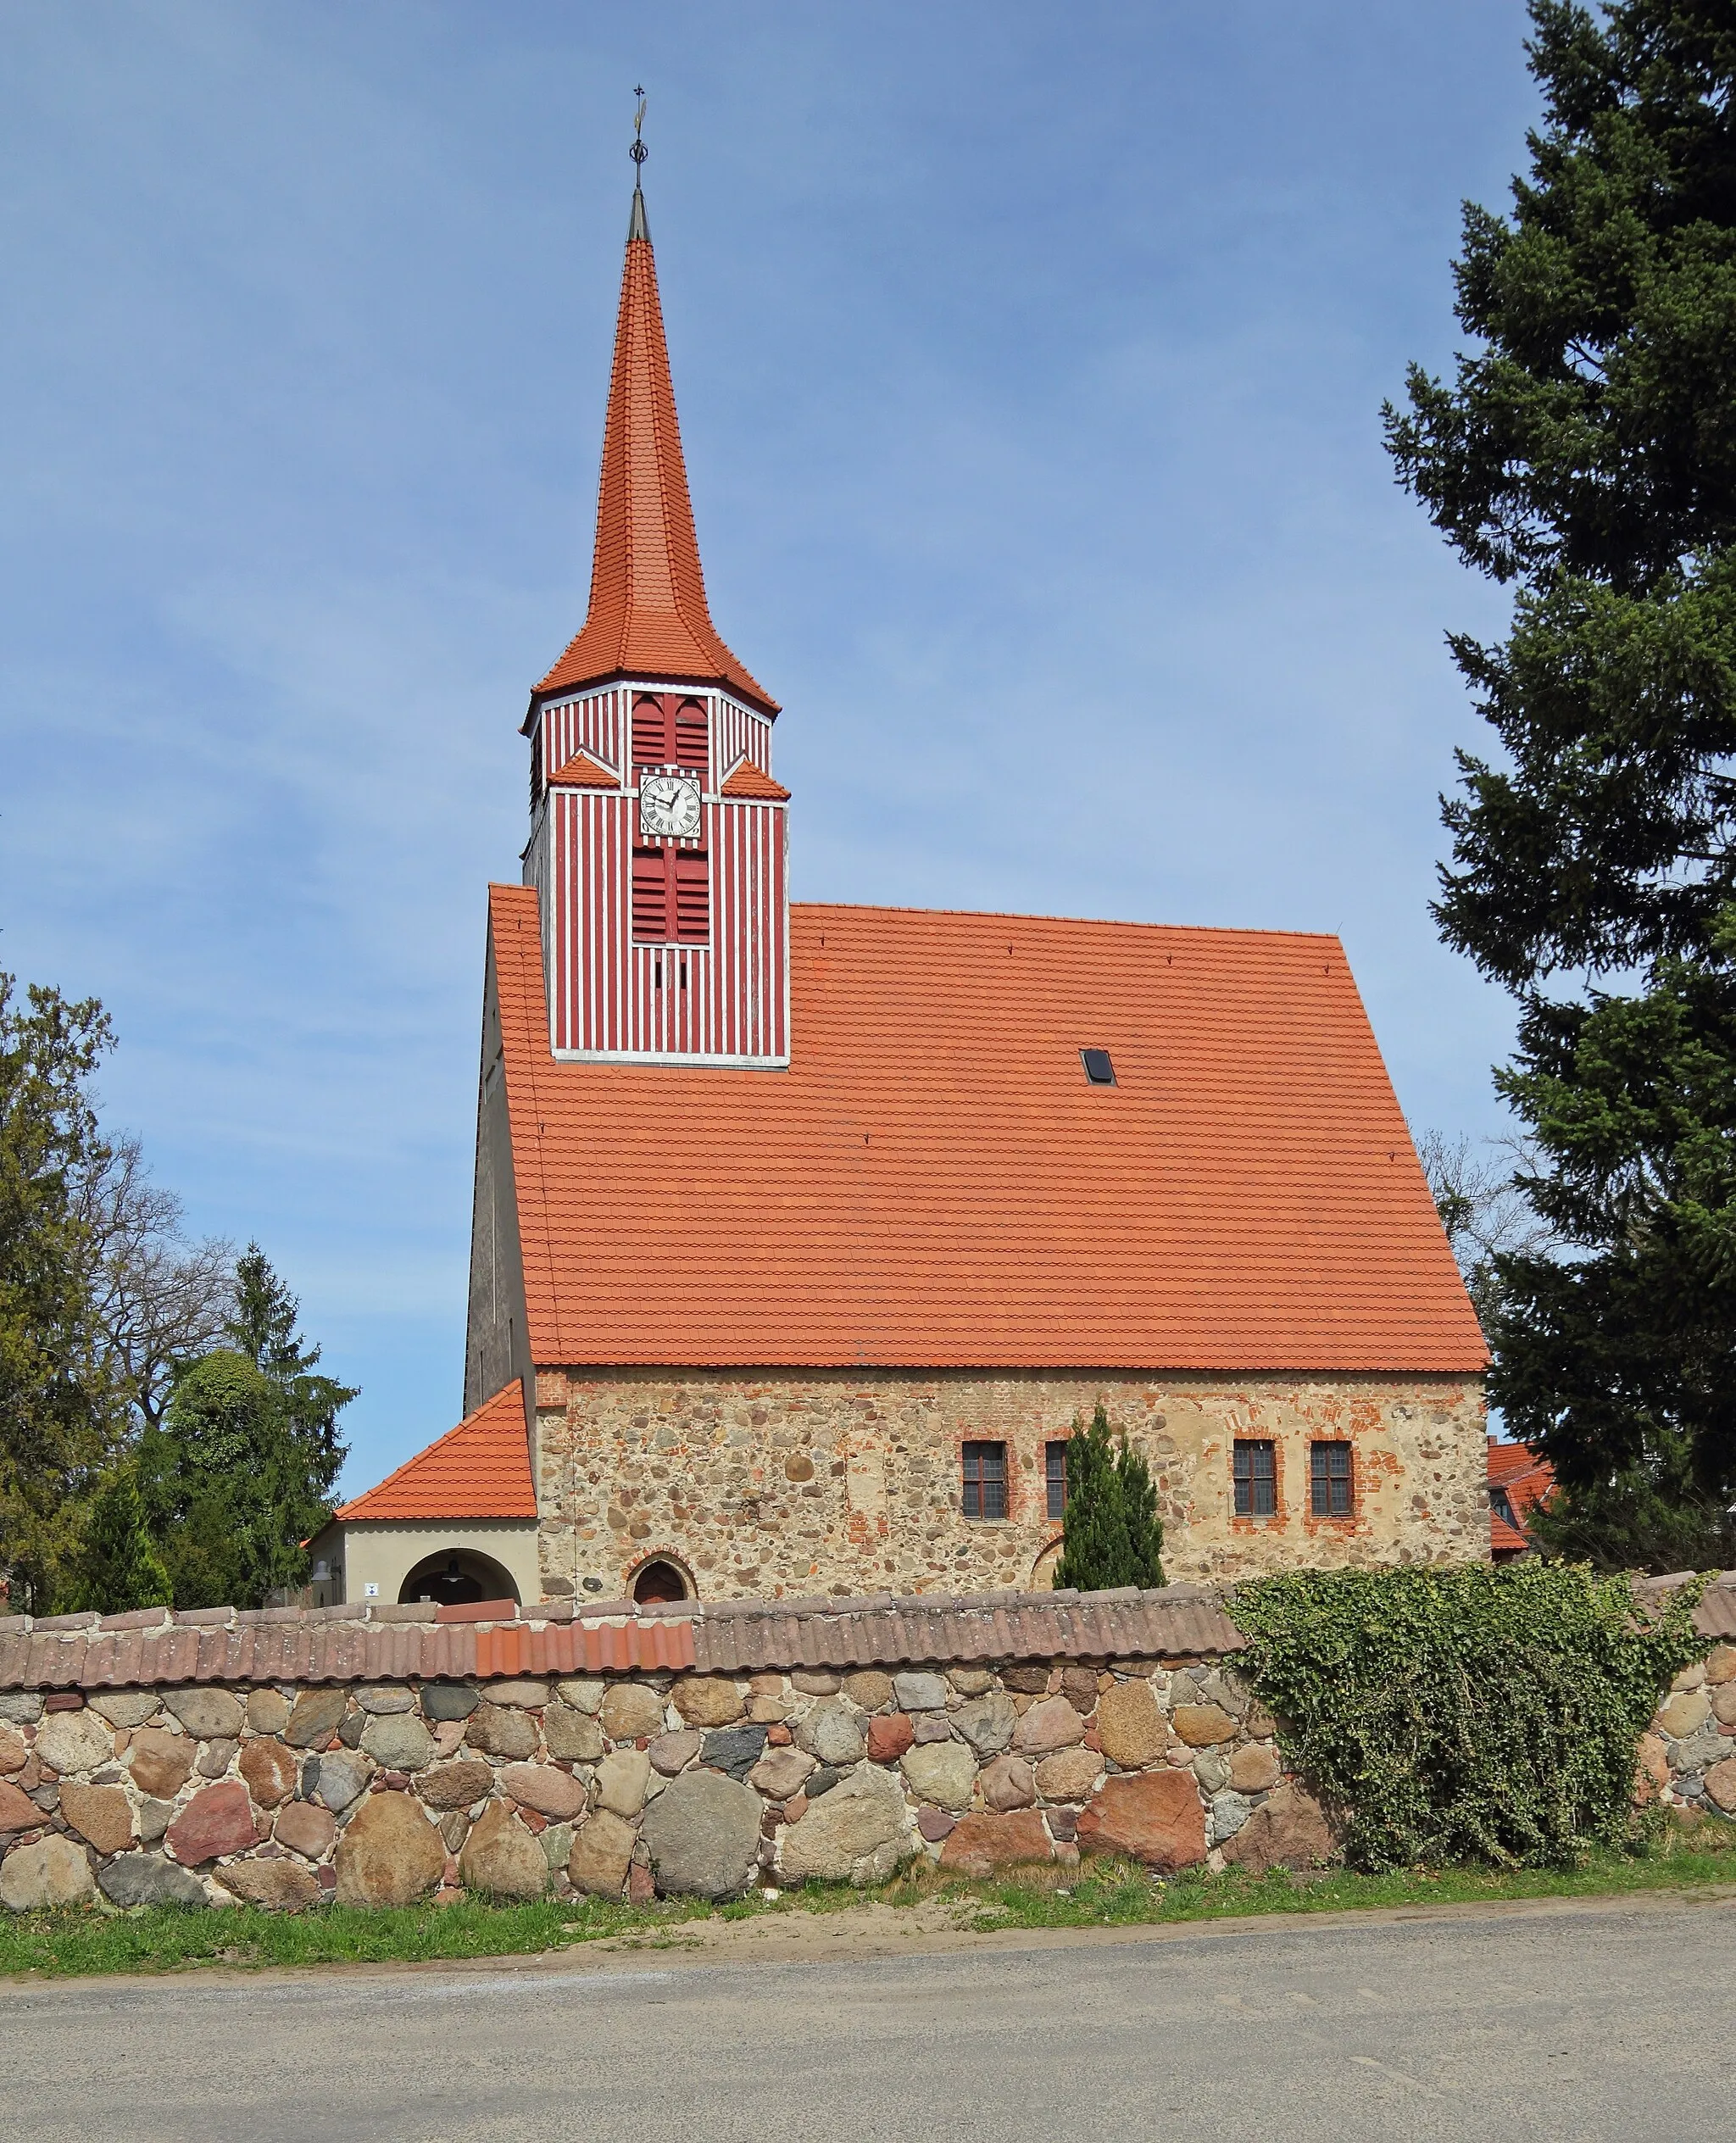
1068, 1775
601, 1852
832, 1733
448, 1700
574, 1735
500, 1855
305, 1829
582, 1693
267, 1710
941, 1771
500, 1730
1254, 1769
869, 1688
315, 1718
631, 1712
556, 1841
529, 1693
14, 1753
280, 1885
342, 1776
1723, 1703
1229, 1811
889, 1734
102, 1814
919, 1692
552, 1793
124, 1709
1007, 1783
1289, 1830
982, 1844
398, 1741
1203, 1725
779, 1772
390, 1855
1700, 1751
704, 1835
74, 1741
621, 1779
673, 1752
391, 1697
1050, 1725
859, 1833
1720, 1785
1721, 1665
270, 1770
22, 1707
1153, 1815
986, 1721
18, 1812
154, 1818
214, 1758
218, 1819
1211, 1767
44, 1877
1684, 1715
815, 1681
1652, 1769
456, 1785
207, 1714
733, 1750
707, 1700
147, 1879
970, 1681
1131, 1725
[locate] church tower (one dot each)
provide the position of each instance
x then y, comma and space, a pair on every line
658, 845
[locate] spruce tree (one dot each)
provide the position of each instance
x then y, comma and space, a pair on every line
119, 1567
1110, 1533
1585, 455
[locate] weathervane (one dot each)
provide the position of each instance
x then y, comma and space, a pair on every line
639, 152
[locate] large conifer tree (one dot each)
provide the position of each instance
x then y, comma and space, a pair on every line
1111, 1533
1585, 453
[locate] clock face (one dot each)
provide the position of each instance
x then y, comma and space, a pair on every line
668, 806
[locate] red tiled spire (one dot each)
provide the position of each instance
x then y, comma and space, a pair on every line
648, 616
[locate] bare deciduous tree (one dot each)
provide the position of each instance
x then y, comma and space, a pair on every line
160, 1298
1473, 1183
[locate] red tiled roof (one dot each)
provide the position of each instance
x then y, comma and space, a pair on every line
1528, 1480
647, 614
750, 780
482, 1469
582, 771
934, 1184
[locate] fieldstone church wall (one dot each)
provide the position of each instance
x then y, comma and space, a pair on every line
909, 1727
798, 1481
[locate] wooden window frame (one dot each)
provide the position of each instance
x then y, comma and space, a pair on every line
1247, 1481
983, 1483
1055, 1477
1331, 1488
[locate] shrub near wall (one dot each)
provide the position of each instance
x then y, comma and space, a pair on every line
1472, 1714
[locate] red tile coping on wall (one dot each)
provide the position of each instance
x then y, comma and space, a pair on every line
374, 1642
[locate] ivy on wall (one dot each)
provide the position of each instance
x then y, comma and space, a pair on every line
1471, 1714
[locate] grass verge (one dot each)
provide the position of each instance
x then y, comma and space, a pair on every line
1103, 1893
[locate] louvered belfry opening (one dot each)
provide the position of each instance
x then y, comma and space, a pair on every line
670, 730
671, 896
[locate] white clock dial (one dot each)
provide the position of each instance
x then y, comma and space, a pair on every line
668, 806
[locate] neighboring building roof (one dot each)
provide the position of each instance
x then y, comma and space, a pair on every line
647, 614
749, 780
1518, 1481
934, 1183
482, 1469
582, 771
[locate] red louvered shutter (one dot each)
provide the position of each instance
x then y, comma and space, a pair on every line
652, 744
692, 896
652, 920
690, 736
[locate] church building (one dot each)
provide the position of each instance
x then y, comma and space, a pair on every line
804, 1234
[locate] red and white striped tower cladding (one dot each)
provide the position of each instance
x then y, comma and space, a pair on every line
659, 838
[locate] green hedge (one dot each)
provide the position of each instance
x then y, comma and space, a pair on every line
1469, 1714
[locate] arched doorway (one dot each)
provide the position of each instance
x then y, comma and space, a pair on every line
660, 1579
457, 1578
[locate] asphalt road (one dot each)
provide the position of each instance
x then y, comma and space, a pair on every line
1612, 2021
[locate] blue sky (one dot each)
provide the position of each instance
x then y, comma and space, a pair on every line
1029, 361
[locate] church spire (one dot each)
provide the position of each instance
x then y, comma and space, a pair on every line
647, 615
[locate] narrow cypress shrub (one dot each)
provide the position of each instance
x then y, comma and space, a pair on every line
1111, 1533
119, 1567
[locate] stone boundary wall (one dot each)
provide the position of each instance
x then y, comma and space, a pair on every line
382, 1788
